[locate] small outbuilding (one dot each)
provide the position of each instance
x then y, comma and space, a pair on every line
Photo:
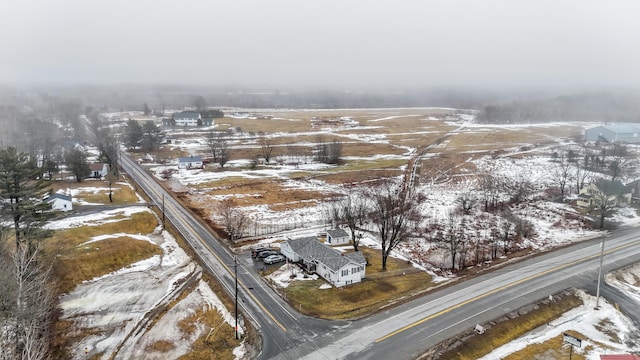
191, 162
98, 170
60, 202
337, 237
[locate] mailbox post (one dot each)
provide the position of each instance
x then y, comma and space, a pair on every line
573, 341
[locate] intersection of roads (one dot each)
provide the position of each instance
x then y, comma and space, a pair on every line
408, 330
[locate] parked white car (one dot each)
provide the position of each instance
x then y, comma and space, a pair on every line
272, 259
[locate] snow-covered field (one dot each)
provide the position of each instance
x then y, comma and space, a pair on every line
553, 223
134, 291
114, 309
597, 327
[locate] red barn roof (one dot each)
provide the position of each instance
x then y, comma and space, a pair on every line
620, 357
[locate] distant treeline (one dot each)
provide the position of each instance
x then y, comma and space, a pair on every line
590, 107
159, 98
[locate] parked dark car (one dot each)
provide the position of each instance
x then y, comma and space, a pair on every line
264, 254
256, 251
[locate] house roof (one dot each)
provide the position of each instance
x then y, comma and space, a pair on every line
337, 233
609, 187
58, 196
622, 128
96, 166
310, 249
187, 115
190, 159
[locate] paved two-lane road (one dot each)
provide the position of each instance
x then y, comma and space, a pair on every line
282, 329
406, 331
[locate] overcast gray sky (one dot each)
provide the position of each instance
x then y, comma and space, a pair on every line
345, 43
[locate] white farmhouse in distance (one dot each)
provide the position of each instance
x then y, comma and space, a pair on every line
187, 118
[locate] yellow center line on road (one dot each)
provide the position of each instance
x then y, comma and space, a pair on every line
185, 223
242, 285
416, 323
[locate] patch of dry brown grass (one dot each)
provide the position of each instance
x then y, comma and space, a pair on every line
608, 328
271, 193
365, 149
85, 262
160, 346
554, 348
97, 191
75, 263
359, 177
506, 331
217, 344
299, 124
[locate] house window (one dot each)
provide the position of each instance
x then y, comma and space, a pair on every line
345, 272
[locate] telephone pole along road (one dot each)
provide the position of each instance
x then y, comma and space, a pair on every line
405, 331
280, 326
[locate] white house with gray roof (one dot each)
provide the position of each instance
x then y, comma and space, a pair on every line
336, 267
187, 118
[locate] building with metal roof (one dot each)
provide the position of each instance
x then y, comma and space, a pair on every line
612, 133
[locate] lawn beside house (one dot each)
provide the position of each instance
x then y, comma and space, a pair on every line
378, 290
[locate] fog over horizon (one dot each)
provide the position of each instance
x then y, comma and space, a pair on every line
333, 44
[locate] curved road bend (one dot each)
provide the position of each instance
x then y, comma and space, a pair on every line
280, 327
406, 331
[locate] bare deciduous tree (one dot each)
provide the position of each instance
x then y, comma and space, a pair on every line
582, 176
107, 142
34, 301
618, 160
506, 233
604, 204
351, 211
561, 173
266, 145
111, 179
395, 214
452, 237
328, 152
233, 219
521, 189
218, 147
466, 201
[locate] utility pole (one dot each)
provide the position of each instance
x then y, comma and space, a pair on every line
235, 269
162, 211
599, 275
